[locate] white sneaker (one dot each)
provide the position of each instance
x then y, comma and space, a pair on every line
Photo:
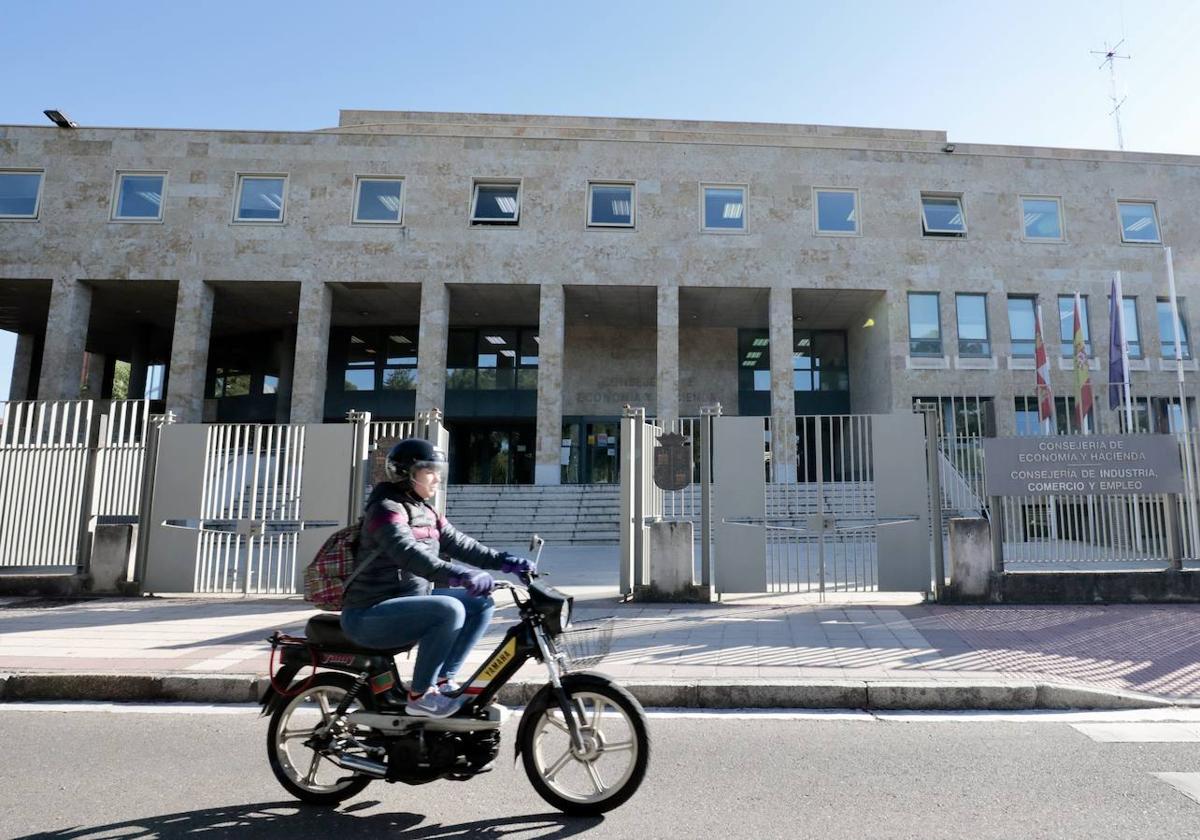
432, 704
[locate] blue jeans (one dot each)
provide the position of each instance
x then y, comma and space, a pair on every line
446, 625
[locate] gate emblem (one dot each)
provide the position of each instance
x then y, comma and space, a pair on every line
673, 462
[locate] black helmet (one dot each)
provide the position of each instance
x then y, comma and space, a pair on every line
413, 454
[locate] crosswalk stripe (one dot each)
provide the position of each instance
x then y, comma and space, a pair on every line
1186, 783
1140, 733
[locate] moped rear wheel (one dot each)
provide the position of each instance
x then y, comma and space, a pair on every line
302, 770
615, 753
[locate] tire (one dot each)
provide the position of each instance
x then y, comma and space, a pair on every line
581, 784
298, 767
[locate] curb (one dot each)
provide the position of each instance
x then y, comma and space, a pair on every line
883, 695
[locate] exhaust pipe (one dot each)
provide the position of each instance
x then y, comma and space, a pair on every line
359, 765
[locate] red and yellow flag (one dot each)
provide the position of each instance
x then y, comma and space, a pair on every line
1083, 378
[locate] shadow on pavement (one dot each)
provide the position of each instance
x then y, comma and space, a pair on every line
293, 820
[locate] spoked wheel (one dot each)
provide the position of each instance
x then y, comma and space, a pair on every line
301, 769
615, 752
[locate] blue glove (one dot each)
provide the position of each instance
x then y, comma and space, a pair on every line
477, 582
512, 564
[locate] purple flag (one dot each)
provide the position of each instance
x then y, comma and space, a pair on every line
1116, 342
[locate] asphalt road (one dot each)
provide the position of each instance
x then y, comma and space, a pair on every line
158, 772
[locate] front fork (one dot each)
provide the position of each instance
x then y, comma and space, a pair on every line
564, 702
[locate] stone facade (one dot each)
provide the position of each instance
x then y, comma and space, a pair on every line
645, 315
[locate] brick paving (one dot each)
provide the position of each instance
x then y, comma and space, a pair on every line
1145, 648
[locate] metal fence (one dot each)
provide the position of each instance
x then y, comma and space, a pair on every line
45, 449
1069, 532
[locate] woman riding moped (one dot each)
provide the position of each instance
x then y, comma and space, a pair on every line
423, 580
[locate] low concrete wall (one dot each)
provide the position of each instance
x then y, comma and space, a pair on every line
1165, 586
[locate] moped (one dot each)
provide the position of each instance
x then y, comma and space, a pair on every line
582, 737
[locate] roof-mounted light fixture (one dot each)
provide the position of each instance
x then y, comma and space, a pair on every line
59, 118
948, 148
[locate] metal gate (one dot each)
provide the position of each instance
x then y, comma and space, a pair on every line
251, 472
856, 492
833, 500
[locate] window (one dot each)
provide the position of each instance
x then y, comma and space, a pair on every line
400, 360
496, 203
1021, 327
20, 194
261, 198
836, 211
231, 383
378, 201
1026, 415
361, 355
1133, 338
924, 324
723, 208
819, 361
1139, 222
138, 197
1041, 219
492, 359
972, 325
1166, 329
960, 419
610, 205
942, 215
754, 360
1066, 324
1065, 421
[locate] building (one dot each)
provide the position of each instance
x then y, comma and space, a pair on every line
533, 275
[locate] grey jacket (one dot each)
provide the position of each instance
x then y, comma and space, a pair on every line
409, 549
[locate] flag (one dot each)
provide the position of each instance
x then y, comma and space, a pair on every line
1083, 379
1116, 345
1042, 364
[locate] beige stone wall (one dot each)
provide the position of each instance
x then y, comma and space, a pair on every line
606, 367
439, 154
708, 370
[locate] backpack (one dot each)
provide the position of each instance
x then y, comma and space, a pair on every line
332, 569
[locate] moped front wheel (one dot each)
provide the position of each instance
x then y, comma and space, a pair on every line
297, 724
607, 768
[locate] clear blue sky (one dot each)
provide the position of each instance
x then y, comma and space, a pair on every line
988, 72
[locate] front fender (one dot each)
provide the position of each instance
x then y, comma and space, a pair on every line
545, 697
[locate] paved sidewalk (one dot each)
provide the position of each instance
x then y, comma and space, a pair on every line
751, 648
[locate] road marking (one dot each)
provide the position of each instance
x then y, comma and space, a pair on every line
230, 657
1140, 732
1123, 717
1186, 783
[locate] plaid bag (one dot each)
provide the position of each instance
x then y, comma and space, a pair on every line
330, 572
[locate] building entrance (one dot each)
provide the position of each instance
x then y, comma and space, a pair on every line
491, 452
592, 449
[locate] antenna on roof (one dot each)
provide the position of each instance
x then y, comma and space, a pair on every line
1110, 54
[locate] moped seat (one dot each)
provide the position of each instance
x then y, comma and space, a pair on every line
326, 631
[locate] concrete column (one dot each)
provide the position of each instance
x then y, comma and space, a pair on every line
667, 391
66, 339
311, 368
551, 332
783, 401
22, 369
189, 350
431, 346
93, 379
286, 358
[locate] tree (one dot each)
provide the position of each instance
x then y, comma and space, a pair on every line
120, 388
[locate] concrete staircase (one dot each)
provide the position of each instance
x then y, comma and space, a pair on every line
506, 515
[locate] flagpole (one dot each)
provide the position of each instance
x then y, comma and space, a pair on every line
1048, 420
1119, 295
1187, 427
